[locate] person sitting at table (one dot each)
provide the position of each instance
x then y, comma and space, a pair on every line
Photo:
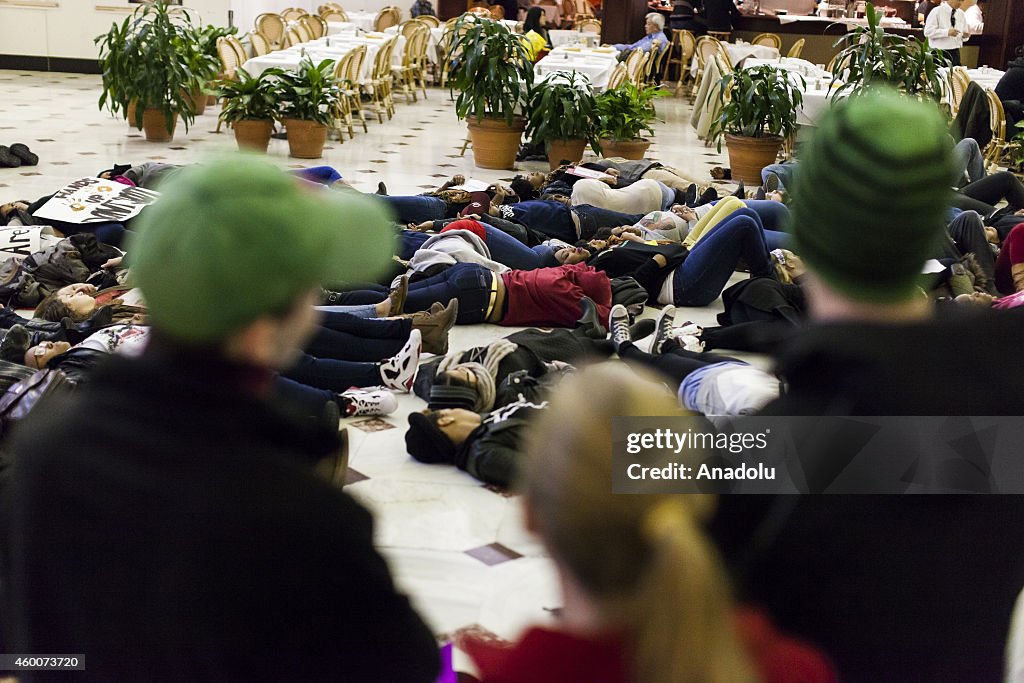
1010, 90
422, 8
535, 33
655, 27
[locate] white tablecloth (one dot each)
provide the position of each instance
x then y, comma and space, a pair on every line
363, 20
598, 66
987, 78
561, 37
738, 51
319, 50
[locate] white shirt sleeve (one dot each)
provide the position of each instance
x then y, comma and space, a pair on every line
937, 25
975, 20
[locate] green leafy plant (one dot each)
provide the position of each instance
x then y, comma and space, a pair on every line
491, 69
757, 102
308, 93
562, 107
1017, 148
146, 60
248, 97
200, 52
626, 111
869, 57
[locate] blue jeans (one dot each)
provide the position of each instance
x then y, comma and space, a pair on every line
333, 375
417, 208
970, 164
593, 218
783, 171
470, 283
508, 250
701, 277
409, 241
346, 337
305, 400
358, 311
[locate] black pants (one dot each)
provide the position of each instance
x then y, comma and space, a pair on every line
953, 56
989, 191
674, 362
968, 234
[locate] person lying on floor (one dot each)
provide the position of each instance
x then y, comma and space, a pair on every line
559, 220
643, 196
444, 202
547, 297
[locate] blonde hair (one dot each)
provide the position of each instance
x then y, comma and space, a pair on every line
644, 559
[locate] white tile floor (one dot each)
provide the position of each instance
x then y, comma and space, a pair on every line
427, 517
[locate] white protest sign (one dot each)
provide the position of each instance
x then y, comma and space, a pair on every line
472, 185
581, 172
19, 242
96, 200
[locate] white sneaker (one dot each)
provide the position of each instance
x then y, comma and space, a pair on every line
688, 329
618, 325
689, 342
399, 371
367, 401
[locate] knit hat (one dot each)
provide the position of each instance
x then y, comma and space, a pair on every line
870, 194
465, 224
233, 240
427, 443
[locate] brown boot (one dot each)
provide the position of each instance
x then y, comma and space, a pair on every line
1017, 273
398, 294
434, 327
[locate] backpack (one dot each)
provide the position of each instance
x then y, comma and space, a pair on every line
56, 266
628, 292
21, 397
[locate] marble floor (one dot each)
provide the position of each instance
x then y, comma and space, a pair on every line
458, 548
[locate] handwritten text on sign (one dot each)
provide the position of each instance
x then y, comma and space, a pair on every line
95, 200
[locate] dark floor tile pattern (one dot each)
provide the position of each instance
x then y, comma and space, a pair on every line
493, 553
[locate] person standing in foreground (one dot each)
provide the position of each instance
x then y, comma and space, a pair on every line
166, 521
893, 587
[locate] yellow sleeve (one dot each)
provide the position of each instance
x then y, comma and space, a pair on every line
717, 214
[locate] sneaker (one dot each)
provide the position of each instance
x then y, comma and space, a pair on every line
689, 342
663, 328
688, 328
367, 401
771, 183
618, 324
399, 371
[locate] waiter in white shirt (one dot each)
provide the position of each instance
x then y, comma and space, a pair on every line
945, 29
975, 18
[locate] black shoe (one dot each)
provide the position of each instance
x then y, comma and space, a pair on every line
666, 320
589, 323
740, 191
771, 183
7, 159
329, 298
759, 194
618, 323
382, 189
14, 344
687, 196
279, 136
709, 195
25, 154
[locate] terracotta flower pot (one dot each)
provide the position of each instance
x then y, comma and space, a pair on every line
154, 123
211, 100
570, 150
495, 143
253, 135
198, 99
627, 149
130, 115
306, 139
747, 156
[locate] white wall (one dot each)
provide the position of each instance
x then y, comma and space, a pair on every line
66, 28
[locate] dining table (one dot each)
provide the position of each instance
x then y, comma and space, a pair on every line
560, 37
328, 47
739, 51
596, 63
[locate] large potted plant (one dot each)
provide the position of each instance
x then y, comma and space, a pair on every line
759, 108
623, 113
870, 56
492, 73
250, 105
148, 68
562, 116
307, 101
203, 61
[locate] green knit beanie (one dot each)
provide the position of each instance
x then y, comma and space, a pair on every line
233, 240
870, 195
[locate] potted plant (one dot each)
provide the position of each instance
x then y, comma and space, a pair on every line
870, 56
492, 72
307, 100
562, 114
147, 68
622, 114
250, 105
201, 55
759, 108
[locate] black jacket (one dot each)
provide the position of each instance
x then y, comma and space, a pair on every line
720, 14
893, 588
167, 524
1011, 85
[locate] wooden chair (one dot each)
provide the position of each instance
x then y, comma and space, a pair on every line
998, 146
333, 15
797, 49
635, 63
229, 63
316, 25
293, 13
618, 76
654, 59
303, 30
680, 54
769, 39
385, 19
705, 49
329, 7
430, 19
239, 49
958, 82
291, 38
260, 44
723, 36
381, 80
723, 52
272, 26
407, 28
409, 73
589, 25
353, 87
